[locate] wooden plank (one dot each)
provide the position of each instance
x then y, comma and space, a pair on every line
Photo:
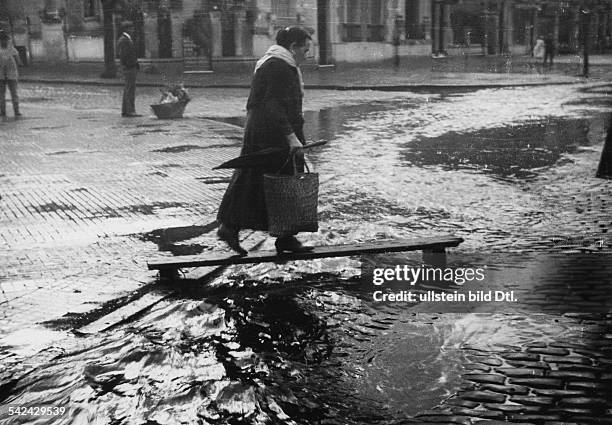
436, 244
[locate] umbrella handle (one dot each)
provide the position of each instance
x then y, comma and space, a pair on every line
314, 144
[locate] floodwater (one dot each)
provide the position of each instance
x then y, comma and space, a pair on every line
509, 170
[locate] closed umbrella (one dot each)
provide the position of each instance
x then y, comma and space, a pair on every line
264, 158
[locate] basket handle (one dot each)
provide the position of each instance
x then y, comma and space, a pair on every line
291, 157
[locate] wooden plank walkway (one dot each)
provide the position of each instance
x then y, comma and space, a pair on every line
168, 266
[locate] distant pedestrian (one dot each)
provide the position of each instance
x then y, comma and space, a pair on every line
549, 49
130, 66
538, 49
538, 53
8, 74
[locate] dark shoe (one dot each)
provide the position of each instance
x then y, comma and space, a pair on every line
132, 115
230, 237
290, 244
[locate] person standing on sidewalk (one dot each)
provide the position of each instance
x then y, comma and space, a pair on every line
549, 49
538, 54
130, 66
274, 120
8, 74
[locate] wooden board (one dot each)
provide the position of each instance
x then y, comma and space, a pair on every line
436, 244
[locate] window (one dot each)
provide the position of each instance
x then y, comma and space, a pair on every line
522, 26
376, 24
284, 12
363, 20
376, 12
352, 12
90, 8
281, 8
352, 20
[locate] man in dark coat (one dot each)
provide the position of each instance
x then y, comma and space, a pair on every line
274, 120
130, 66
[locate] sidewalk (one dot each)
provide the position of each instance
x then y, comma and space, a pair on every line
87, 198
412, 74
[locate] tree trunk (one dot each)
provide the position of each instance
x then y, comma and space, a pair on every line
110, 69
586, 41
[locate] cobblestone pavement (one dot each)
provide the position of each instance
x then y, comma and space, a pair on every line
567, 381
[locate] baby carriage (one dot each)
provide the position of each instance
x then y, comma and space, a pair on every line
172, 103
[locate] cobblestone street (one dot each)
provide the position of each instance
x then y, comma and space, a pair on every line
88, 197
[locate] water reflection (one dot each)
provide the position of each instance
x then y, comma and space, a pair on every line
314, 350
260, 355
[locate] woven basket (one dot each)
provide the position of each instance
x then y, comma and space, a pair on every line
292, 203
169, 110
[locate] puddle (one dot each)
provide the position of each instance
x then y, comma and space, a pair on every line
499, 151
149, 209
213, 180
178, 149
60, 153
29, 341
53, 207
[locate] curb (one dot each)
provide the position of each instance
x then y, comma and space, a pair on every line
434, 87
338, 87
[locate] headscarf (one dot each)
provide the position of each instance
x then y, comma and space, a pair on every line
280, 52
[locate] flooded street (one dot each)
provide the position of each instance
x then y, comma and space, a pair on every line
511, 171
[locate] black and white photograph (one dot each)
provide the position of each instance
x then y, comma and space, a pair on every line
305, 212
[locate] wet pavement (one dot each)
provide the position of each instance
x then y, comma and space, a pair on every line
90, 197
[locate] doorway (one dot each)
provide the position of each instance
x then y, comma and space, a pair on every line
164, 33
228, 33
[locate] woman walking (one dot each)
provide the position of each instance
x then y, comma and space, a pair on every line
8, 74
274, 120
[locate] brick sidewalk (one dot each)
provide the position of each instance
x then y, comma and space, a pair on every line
78, 204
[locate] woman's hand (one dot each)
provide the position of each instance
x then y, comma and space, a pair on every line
295, 146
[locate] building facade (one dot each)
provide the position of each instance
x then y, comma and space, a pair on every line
202, 32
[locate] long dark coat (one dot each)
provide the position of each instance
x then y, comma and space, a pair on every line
274, 110
127, 53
